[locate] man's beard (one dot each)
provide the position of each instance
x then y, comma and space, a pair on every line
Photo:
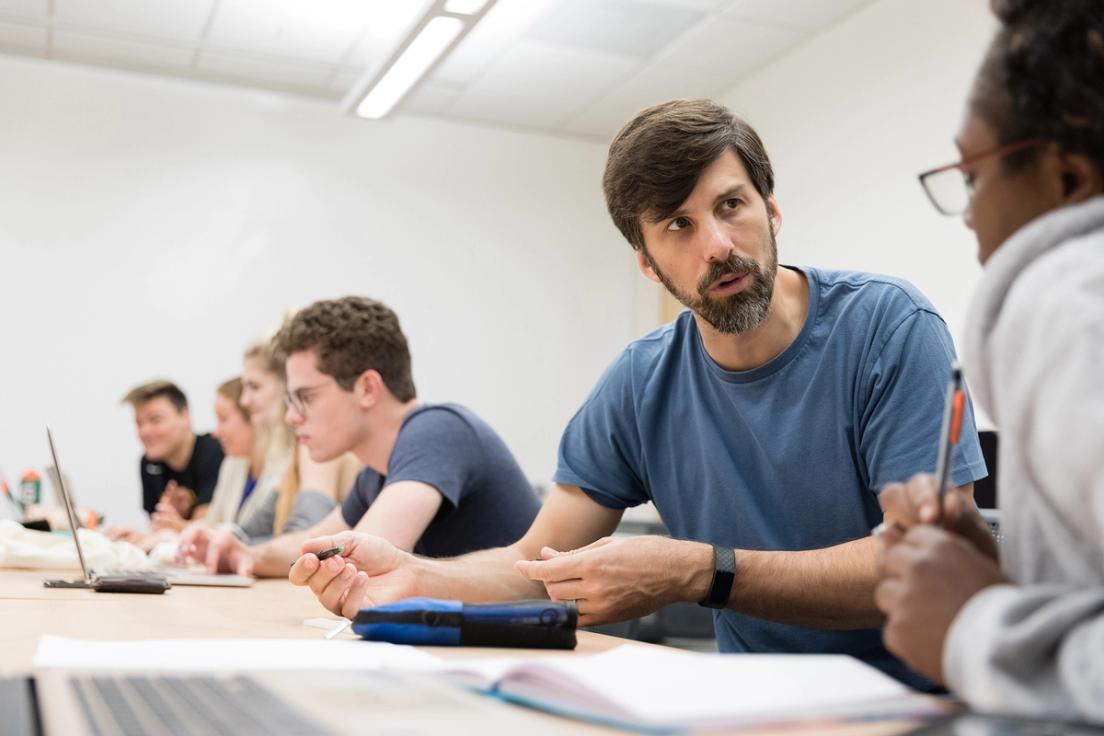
740, 312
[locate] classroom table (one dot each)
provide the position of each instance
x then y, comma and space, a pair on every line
270, 609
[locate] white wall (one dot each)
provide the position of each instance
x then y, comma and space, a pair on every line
152, 228
850, 118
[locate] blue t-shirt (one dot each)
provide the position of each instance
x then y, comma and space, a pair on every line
486, 500
786, 456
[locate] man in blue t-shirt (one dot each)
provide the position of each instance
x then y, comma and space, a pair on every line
761, 423
437, 479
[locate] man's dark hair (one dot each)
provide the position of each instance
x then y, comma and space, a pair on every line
1043, 77
655, 161
352, 335
149, 391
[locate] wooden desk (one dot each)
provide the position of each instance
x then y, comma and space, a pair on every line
271, 609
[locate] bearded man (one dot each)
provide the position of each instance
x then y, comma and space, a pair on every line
761, 423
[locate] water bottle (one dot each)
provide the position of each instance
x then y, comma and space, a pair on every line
30, 489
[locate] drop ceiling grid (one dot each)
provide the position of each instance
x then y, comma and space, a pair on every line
529, 62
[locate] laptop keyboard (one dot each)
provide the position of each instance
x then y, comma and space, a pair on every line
17, 704
185, 705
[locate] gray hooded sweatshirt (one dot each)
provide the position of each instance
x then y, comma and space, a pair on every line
1034, 356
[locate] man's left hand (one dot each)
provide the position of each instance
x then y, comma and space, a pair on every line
927, 577
617, 579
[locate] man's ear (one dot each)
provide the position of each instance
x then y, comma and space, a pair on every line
774, 213
644, 266
368, 388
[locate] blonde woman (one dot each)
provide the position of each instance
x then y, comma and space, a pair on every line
245, 479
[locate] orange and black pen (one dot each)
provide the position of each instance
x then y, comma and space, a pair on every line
954, 413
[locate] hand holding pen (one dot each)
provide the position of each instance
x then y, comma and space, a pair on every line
924, 498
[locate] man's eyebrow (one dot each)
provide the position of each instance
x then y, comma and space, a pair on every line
733, 191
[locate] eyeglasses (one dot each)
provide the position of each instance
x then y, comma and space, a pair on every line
300, 398
950, 188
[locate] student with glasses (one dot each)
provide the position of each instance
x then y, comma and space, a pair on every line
437, 479
1021, 628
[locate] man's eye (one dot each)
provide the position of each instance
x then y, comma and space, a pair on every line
732, 203
678, 223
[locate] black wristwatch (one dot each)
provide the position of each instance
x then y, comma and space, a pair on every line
724, 573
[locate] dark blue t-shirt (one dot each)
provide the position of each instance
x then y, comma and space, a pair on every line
787, 456
486, 500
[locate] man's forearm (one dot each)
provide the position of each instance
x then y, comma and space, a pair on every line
478, 577
830, 588
273, 558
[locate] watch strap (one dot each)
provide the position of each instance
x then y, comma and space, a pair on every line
724, 574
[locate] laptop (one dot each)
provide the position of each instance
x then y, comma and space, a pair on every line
125, 581
985, 490
306, 702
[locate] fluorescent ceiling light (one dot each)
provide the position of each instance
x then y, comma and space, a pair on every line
464, 7
410, 66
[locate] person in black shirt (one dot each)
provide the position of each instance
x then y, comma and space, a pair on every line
179, 468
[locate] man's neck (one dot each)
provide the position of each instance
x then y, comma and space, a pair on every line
783, 323
179, 459
374, 450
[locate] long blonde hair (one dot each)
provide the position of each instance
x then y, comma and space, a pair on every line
275, 437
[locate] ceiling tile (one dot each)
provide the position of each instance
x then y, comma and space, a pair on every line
389, 26
22, 39
21, 9
500, 107
319, 30
733, 46
706, 6
500, 28
344, 79
120, 52
430, 98
310, 77
531, 68
803, 14
176, 19
626, 27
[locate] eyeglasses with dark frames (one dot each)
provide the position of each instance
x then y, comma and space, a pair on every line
950, 188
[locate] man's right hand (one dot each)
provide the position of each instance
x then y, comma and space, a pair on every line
917, 502
219, 551
370, 571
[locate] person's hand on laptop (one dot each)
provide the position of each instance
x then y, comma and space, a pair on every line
218, 550
369, 571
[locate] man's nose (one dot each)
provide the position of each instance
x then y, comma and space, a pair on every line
716, 245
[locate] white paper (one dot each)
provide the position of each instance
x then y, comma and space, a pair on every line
226, 655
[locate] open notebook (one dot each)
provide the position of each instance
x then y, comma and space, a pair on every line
653, 689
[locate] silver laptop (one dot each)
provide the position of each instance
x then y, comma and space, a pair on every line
126, 581
121, 581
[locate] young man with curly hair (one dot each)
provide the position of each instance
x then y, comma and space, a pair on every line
437, 480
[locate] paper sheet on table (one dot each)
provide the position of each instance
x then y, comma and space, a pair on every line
224, 655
